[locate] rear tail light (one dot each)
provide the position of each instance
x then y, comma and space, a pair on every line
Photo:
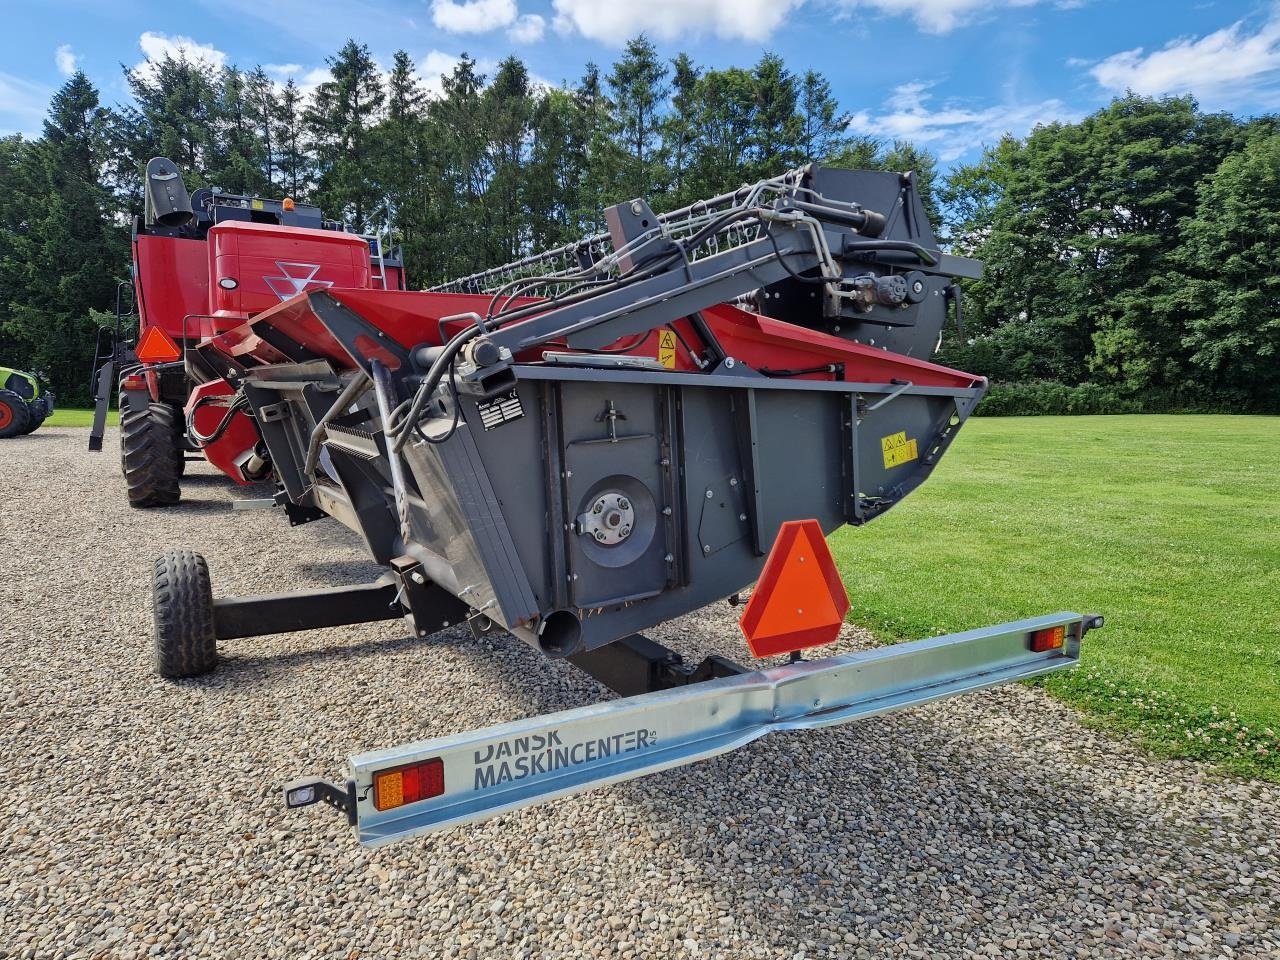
135, 381
1049, 639
408, 784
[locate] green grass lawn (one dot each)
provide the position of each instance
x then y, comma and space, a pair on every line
1167, 525
72, 417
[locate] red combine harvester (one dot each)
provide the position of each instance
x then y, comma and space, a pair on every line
204, 263
596, 439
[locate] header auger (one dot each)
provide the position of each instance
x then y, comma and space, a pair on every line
580, 445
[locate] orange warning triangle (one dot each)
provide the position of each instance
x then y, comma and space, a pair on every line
156, 346
799, 600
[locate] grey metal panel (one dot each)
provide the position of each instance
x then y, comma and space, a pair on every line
464, 525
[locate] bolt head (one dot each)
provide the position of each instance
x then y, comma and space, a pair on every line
706, 548
710, 494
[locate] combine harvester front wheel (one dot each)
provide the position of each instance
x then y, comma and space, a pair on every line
151, 454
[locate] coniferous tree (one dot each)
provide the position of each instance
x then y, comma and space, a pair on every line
776, 125
341, 119
72, 242
679, 127
823, 127
639, 90
288, 129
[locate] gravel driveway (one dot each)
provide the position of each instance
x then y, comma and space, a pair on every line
143, 818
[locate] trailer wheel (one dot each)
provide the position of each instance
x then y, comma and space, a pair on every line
151, 455
14, 415
186, 645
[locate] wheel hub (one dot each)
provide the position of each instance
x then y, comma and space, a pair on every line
609, 520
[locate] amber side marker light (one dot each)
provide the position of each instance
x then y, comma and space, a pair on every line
1050, 639
408, 784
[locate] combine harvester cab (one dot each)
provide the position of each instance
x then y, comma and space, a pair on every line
583, 444
203, 263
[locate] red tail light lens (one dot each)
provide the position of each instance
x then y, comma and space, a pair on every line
1049, 639
408, 784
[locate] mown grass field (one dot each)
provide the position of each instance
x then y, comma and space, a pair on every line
72, 417
1167, 525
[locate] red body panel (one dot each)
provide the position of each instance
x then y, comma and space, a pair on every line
269, 264
413, 318
172, 281
231, 451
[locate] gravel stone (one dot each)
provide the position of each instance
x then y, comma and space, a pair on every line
143, 818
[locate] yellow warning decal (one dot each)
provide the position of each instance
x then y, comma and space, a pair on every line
898, 449
667, 348
257, 205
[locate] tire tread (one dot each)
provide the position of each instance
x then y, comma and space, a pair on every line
185, 642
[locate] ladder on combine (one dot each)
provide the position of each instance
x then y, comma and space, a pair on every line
377, 259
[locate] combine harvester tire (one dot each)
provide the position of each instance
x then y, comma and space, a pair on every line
186, 644
15, 419
151, 455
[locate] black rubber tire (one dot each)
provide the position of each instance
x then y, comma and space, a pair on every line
151, 455
15, 416
33, 424
186, 645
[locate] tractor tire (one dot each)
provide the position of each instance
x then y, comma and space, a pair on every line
14, 415
186, 645
33, 424
151, 455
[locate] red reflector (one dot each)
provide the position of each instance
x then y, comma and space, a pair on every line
156, 346
799, 600
1048, 639
135, 381
408, 784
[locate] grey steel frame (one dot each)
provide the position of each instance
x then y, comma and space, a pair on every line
618, 740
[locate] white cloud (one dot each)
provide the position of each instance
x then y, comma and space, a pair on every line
22, 105
940, 16
528, 29
156, 46
66, 59
307, 80
473, 16
617, 21
1229, 61
433, 68
954, 129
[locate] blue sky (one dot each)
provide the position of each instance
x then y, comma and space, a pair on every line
949, 74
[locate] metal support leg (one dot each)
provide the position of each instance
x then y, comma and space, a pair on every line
636, 664
101, 401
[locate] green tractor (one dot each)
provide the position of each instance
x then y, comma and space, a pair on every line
25, 402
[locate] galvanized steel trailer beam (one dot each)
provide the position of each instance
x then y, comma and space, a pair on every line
509, 766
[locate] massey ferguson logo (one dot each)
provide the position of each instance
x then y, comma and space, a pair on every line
296, 278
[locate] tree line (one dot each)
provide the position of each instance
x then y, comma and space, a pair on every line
1128, 250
